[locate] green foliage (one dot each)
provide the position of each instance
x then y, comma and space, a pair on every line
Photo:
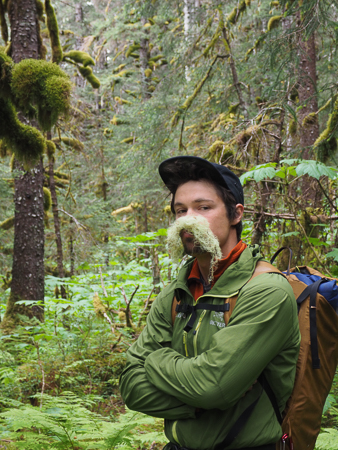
327, 440
288, 167
43, 84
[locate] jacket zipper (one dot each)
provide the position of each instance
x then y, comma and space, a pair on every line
196, 332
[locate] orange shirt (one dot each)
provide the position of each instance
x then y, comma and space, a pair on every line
195, 279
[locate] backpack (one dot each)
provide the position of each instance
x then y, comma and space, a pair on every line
317, 299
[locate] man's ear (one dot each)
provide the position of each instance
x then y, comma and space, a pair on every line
239, 214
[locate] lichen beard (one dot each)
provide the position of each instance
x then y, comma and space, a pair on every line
202, 240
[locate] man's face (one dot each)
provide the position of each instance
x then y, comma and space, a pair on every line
200, 198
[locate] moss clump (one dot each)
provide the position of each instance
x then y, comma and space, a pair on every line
70, 142
237, 12
7, 224
87, 73
44, 84
293, 127
3, 23
273, 22
79, 57
27, 142
216, 146
47, 199
6, 66
125, 73
117, 121
3, 149
119, 68
50, 149
122, 101
53, 30
148, 73
129, 140
274, 3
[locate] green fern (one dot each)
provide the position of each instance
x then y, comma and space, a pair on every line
66, 423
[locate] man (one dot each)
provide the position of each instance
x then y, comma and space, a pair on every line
196, 372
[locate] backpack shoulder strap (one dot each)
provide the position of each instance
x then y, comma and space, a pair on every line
261, 267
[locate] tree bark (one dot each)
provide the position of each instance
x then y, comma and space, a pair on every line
28, 253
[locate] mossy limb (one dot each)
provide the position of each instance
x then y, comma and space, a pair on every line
40, 10
27, 142
331, 126
79, 57
70, 142
3, 23
123, 101
310, 119
117, 121
131, 49
273, 22
6, 67
293, 127
87, 73
50, 149
53, 30
47, 199
129, 140
7, 224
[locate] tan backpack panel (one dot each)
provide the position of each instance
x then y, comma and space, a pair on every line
303, 413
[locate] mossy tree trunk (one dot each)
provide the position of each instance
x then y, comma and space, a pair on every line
28, 254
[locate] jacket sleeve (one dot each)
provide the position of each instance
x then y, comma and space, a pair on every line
258, 330
138, 392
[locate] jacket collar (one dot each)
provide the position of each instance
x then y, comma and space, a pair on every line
232, 280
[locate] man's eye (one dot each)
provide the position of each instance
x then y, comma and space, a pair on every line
204, 208
180, 211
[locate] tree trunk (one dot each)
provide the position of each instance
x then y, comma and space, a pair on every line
28, 254
308, 126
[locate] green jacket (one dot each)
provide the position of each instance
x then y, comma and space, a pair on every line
170, 373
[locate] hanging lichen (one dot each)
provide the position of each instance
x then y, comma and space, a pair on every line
44, 85
273, 22
79, 57
27, 142
53, 30
87, 73
47, 199
3, 23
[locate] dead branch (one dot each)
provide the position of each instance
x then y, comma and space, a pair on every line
145, 307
